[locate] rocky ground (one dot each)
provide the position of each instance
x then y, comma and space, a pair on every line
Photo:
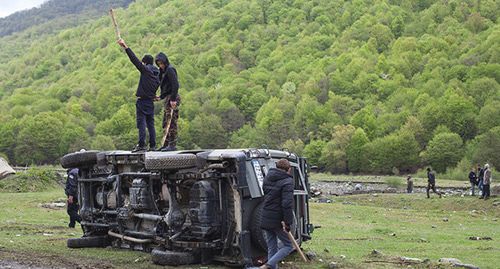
323, 189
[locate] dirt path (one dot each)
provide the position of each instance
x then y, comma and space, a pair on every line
20, 260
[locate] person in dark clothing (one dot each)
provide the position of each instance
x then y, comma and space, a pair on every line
472, 180
277, 213
71, 191
409, 184
480, 177
169, 87
146, 94
431, 182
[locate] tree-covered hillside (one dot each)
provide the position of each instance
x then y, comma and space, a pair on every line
70, 10
356, 86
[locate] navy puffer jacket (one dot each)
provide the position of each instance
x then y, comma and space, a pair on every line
278, 199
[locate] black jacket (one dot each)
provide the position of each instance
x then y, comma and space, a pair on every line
431, 177
169, 83
278, 199
149, 81
480, 172
472, 177
71, 188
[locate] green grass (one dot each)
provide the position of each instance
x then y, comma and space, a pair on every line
352, 226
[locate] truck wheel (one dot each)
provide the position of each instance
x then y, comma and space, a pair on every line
79, 159
256, 232
173, 258
89, 242
162, 161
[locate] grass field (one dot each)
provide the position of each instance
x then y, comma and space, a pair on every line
352, 226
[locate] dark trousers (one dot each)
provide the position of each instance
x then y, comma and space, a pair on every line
486, 190
432, 186
145, 115
73, 213
171, 140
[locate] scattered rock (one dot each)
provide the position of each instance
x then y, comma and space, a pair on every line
405, 208
55, 205
315, 192
326, 250
496, 203
410, 260
464, 265
445, 219
358, 187
333, 265
423, 240
480, 238
320, 260
47, 234
324, 200
311, 255
342, 256
374, 195
349, 217
375, 253
495, 219
434, 226
449, 260
347, 203
393, 234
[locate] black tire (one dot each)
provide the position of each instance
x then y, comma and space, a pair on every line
79, 159
166, 161
172, 258
256, 232
89, 242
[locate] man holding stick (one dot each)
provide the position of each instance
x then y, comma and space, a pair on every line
146, 94
169, 86
277, 213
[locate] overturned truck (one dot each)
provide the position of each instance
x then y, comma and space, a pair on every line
184, 207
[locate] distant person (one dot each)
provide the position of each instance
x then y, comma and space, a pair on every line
409, 184
486, 182
169, 86
472, 180
277, 213
71, 191
431, 182
480, 176
146, 94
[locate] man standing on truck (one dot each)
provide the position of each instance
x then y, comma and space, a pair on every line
71, 191
169, 88
146, 94
278, 208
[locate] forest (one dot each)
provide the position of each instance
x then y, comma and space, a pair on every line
57, 13
380, 87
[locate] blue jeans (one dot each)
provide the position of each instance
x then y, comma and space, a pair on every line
145, 115
275, 255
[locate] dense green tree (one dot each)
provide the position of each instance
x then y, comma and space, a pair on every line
38, 140
334, 154
399, 150
486, 148
356, 160
444, 150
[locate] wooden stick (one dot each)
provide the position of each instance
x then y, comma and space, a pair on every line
164, 139
117, 31
295, 244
